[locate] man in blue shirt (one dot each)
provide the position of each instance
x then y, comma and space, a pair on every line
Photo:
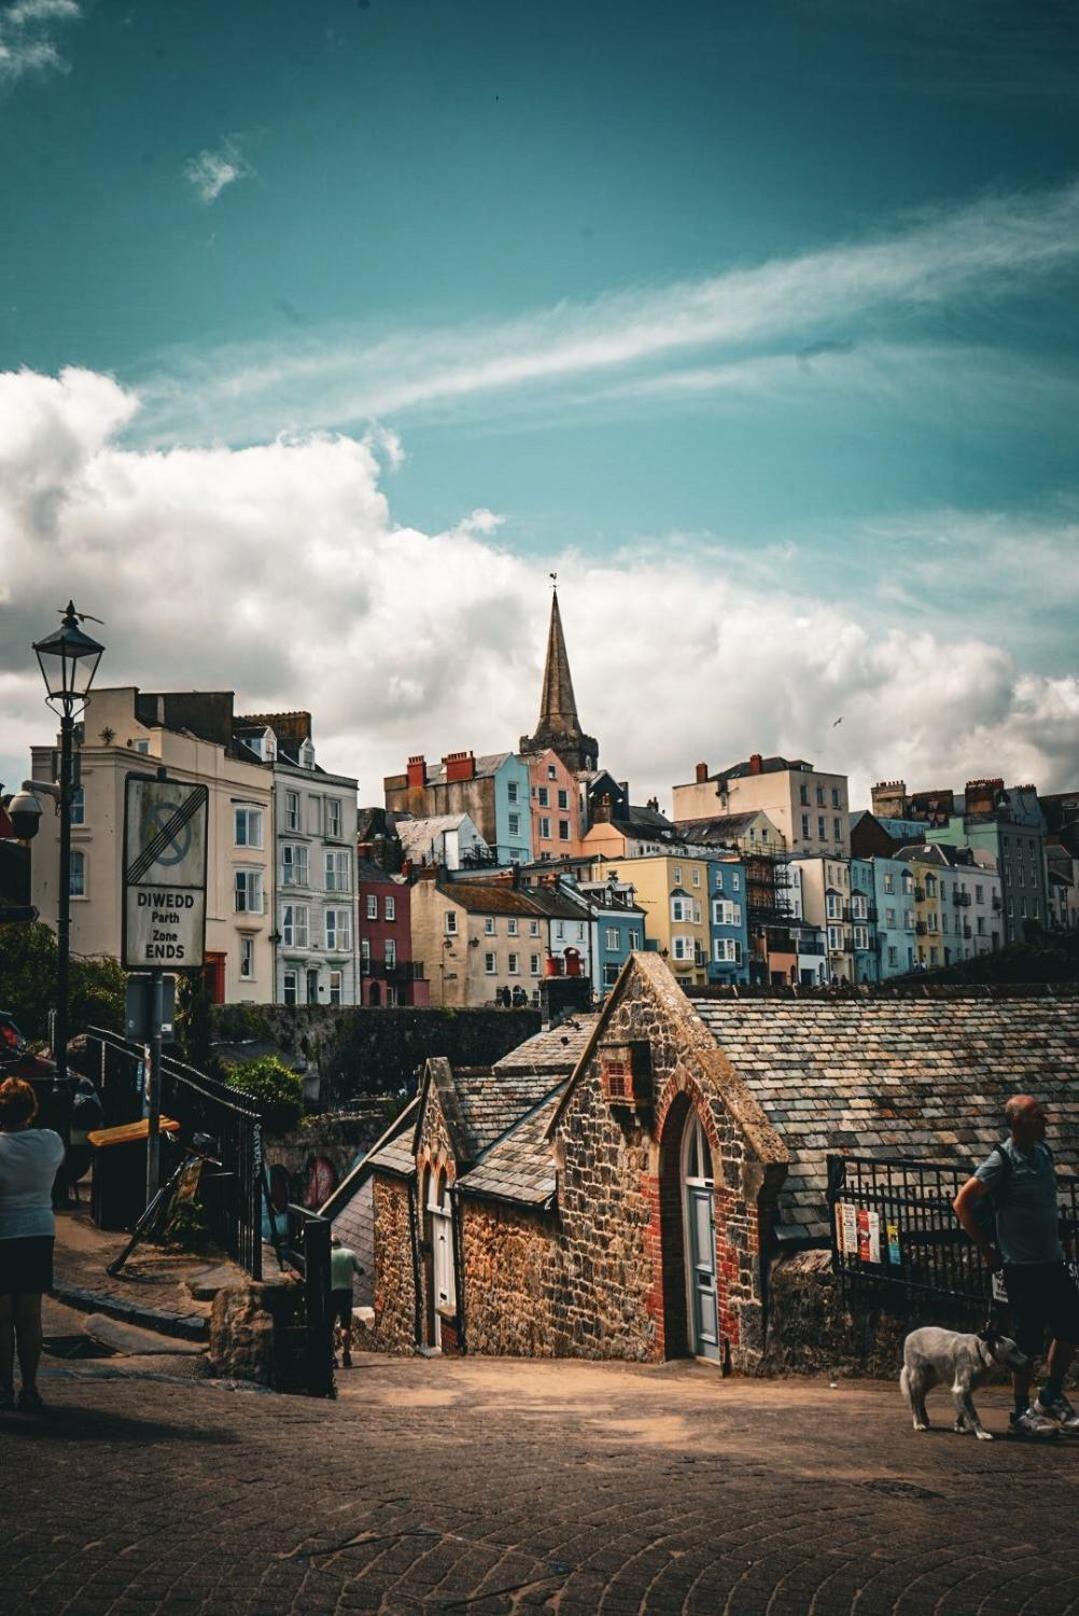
1021, 1178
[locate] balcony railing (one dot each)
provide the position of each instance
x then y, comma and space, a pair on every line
998, 904
921, 928
961, 898
919, 894
402, 971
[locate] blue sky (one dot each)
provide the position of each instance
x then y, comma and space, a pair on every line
782, 293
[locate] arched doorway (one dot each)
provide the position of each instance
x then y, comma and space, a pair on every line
698, 1201
688, 1239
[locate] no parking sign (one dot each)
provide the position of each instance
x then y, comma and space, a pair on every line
164, 874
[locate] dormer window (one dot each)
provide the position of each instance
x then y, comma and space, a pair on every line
306, 755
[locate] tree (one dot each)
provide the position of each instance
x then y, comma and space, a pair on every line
275, 1087
28, 961
194, 1023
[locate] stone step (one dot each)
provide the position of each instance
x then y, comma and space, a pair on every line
133, 1342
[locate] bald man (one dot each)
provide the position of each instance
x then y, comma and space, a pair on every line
1041, 1291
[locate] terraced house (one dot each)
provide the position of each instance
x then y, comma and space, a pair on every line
620, 1186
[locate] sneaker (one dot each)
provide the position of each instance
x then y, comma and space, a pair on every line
30, 1402
1060, 1411
1030, 1424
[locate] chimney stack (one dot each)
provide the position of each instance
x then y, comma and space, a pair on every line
702, 773
459, 766
756, 763
417, 772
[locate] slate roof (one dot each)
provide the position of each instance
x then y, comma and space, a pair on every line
396, 1156
499, 898
557, 1050
489, 763
492, 1102
724, 828
520, 1166
920, 1077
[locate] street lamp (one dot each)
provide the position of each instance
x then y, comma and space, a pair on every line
68, 659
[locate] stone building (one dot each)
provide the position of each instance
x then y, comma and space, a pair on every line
559, 728
618, 1187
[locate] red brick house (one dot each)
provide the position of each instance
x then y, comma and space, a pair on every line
388, 974
619, 1186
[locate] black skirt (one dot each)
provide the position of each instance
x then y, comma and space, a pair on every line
26, 1264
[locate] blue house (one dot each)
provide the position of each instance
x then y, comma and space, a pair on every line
893, 887
618, 928
863, 914
728, 913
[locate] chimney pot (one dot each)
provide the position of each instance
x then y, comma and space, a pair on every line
702, 773
756, 763
417, 771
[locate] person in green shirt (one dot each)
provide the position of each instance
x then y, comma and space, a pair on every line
343, 1264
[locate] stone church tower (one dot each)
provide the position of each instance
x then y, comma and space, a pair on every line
559, 727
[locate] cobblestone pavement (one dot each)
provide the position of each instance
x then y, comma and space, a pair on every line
491, 1486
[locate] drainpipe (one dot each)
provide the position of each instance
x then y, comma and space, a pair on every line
417, 1308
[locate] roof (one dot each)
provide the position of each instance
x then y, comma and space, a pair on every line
520, 1166
767, 765
904, 1076
370, 872
488, 763
490, 898
556, 1050
724, 828
492, 1102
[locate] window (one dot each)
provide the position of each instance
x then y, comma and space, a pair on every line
372, 906
932, 922
294, 925
552, 772
820, 796
559, 930
333, 816
934, 955
834, 907
365, 955
338, 874
861, 937
679, 909
822, 835
803, 795
442, 1245
533, 928
835, 939
889, 917
451, 923
931, 886
612, 936
294, 864
563, 799
678, 875
248, 827
545, 828
727, 951
682, 948
338, 929
534, 964
489, 925
610, 974
695, 876
77, 882
835, 796
247, 958
634, 939
515, 964
889, 883
513, 926
805, 827
908, 885
512, 791
837, 834
489, 963
247, 889
544, 796
292, 810
736, 881
981, 925
563, 830
289, 982
336, 980
515, 824
390, 953
78, 806
390, 907
719, 880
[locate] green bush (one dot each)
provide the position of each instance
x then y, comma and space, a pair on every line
277, 1090
28, 984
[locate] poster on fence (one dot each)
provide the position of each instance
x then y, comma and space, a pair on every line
846, 1228
893, 1244
868, 1236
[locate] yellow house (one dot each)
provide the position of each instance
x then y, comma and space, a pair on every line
673, 892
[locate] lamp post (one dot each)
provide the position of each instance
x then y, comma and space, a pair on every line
68, 659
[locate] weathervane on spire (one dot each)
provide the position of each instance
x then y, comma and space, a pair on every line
553, 576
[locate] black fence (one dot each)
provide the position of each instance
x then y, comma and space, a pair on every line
893, 1227
231, 1193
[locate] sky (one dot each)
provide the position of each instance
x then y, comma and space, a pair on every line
328, 332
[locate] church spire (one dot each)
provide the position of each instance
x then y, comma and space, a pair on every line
559, 727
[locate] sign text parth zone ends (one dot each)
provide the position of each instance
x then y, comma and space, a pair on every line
164, 874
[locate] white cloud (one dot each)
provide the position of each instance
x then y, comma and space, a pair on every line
211, 171
26, 43
983, 250
278, 570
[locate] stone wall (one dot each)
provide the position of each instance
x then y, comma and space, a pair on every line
513, 1280
360, 1051
394, 1328
336, 1141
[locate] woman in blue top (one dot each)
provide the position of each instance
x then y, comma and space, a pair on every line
29, 1158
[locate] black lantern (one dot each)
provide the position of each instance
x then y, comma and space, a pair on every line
68, 659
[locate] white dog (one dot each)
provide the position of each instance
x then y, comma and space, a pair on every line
933, 1356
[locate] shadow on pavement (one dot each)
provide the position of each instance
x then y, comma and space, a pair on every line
68, 1422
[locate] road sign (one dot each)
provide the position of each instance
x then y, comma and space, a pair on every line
164, 874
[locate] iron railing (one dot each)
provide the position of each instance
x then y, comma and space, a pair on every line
233, 1197
893, 1226
307, 1250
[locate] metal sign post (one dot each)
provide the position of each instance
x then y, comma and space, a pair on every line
165, 842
